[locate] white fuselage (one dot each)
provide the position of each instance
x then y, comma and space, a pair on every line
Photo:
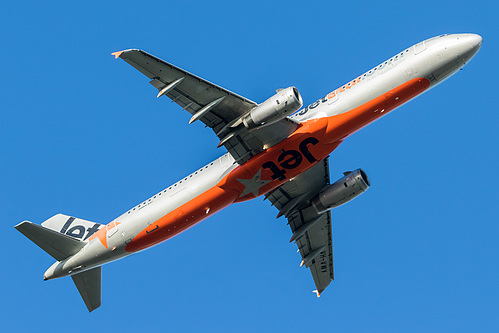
434, 59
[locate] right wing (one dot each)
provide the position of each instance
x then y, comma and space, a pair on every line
311, 231
216, 107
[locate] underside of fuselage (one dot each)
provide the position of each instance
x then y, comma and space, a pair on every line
320, 128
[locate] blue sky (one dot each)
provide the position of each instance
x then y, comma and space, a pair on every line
83, 134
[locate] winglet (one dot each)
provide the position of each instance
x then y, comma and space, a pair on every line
317, 293
117, 54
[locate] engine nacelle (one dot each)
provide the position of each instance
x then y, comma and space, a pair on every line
342, 191
281, 105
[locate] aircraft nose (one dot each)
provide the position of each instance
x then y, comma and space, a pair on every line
471, 43
466, 46
474, 41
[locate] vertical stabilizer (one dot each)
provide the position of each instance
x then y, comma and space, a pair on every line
72, 226
89, 286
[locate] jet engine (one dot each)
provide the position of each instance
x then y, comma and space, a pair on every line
342, 191
281, 105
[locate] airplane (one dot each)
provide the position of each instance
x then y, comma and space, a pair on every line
275, 149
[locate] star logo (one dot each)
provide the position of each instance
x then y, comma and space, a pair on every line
254, 184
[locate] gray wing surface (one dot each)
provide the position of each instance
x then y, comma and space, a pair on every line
58, 245
215, 106
89, 285
312, 232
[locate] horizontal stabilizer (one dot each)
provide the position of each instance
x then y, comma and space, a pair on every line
89, 286
58, 245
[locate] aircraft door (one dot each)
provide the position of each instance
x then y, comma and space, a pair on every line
112, 229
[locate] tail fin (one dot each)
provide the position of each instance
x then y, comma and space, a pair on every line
72, 226
58, 245
62, 236
89, 286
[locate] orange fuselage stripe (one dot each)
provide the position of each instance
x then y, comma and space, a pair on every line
325, 134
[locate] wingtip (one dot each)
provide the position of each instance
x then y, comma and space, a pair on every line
117, 54
18, 226
317, 293
92, 308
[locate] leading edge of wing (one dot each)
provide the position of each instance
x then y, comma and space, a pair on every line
125, 54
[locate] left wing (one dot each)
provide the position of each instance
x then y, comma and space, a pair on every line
216, 107
311, 231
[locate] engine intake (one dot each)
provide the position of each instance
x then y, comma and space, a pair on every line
277, 107
342, 191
